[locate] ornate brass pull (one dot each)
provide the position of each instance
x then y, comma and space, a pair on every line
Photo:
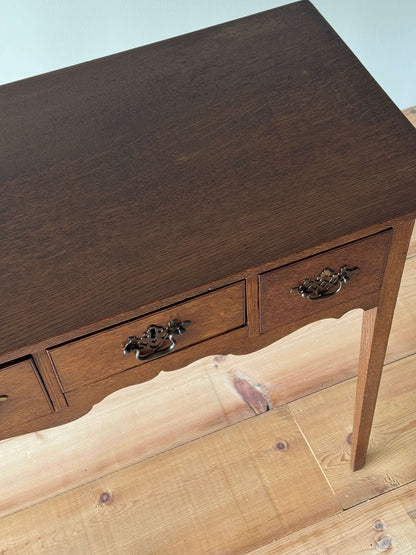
327, 284
3, 397
156, 341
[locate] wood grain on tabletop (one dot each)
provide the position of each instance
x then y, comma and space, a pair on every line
130, 180
229, 491
207, 388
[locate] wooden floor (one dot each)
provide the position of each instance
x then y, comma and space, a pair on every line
196, 462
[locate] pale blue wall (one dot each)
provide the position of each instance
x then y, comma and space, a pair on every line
41, 35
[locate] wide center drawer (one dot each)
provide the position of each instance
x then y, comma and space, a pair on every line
314, 287
101, 355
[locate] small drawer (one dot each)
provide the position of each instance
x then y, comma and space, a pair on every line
282, 303
101, 355
22, 396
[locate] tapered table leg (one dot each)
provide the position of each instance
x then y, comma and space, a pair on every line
374, 338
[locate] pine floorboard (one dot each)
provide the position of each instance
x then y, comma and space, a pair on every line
224, 493
382, 525
325, 419
283, 475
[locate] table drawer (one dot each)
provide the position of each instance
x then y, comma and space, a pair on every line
285, 296
22, 396
101, 355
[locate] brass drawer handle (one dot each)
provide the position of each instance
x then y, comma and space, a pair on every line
156, 341
3, 398
327, 284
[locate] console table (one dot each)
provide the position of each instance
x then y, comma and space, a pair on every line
207, 194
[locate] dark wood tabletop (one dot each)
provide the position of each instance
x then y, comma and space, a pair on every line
146, 174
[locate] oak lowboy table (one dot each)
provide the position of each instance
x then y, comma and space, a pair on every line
207, 194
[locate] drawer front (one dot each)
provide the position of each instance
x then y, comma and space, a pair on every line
22, 397
280, 298
101, 355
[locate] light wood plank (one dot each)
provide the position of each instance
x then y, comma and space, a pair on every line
378, 526
128, 426
326, 420
225, 493
402, 340
408, 500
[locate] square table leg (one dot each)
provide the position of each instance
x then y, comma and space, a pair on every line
374, 338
